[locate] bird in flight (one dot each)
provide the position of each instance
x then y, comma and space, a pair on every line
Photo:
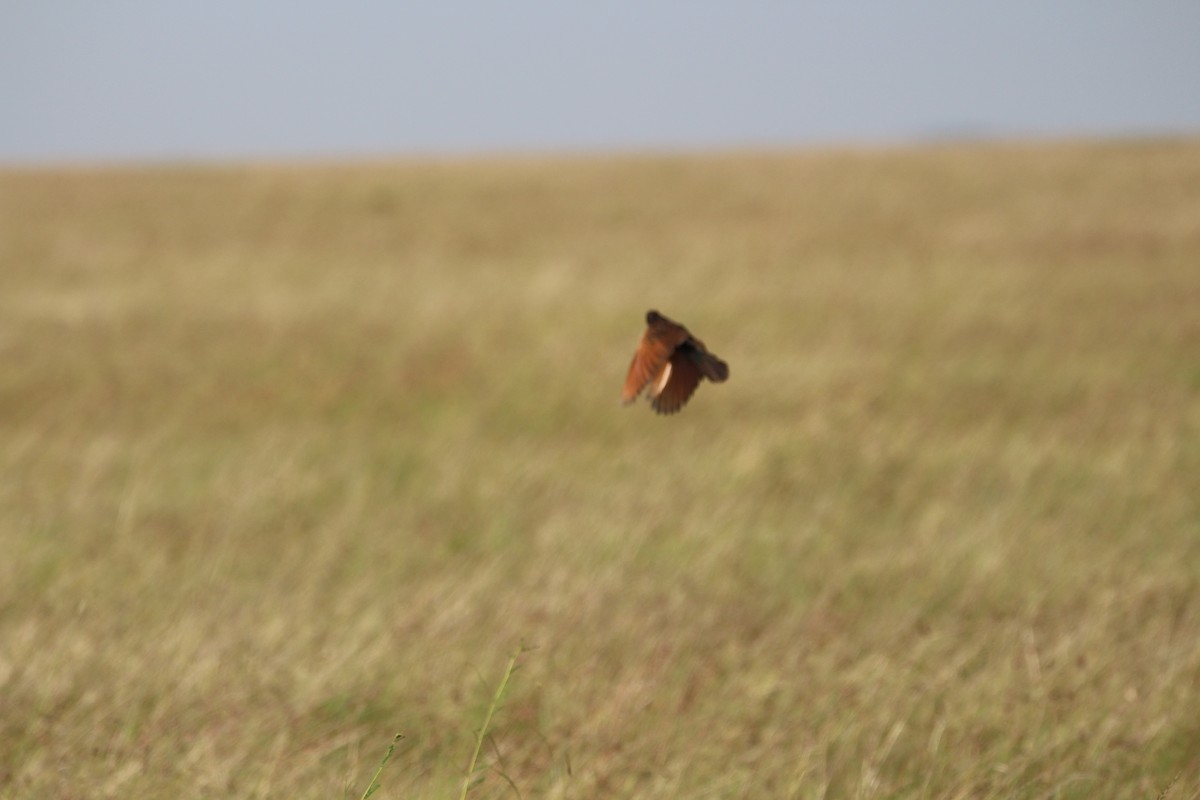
669, 364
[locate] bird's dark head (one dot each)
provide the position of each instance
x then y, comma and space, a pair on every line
653, 316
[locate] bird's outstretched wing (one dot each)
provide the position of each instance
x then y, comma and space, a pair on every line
683, 376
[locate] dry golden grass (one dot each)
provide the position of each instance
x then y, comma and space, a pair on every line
294, 458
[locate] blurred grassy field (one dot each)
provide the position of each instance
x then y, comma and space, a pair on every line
293, 458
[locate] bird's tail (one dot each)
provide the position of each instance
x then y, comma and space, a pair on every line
712, 367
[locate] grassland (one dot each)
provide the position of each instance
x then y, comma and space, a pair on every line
293, 458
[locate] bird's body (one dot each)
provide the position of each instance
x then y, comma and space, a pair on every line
669, 364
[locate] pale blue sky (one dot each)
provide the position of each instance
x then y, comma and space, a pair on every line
168, 79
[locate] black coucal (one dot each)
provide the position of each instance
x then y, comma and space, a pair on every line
669, 364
